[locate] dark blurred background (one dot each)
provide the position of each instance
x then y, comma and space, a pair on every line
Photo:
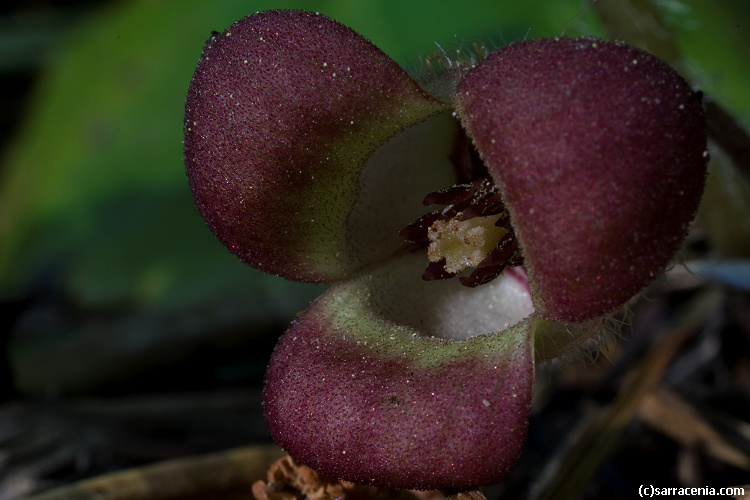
129, 335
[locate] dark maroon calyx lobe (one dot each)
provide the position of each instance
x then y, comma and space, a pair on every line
354, 392
599, 151
283, 114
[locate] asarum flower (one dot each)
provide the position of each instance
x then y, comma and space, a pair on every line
562, 176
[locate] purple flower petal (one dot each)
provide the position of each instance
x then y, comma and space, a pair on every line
359, 389
599, 150
286, 120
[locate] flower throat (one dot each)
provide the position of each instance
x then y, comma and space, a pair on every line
472, 231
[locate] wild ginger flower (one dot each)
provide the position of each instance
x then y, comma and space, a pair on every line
564, 174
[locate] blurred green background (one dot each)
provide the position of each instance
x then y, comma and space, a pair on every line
102, 253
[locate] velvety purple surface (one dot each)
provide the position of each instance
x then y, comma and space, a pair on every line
599, 150
283, 110
377, 405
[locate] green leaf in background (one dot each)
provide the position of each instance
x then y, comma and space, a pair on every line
714, 39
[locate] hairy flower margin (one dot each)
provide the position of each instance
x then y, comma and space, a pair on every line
567, 169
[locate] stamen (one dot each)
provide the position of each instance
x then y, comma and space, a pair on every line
436, 271
487, 205
450, 196
473, 231
507, 254
416, 232
482, 275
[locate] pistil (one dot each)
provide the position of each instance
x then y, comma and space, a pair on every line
463, 243
473, 231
